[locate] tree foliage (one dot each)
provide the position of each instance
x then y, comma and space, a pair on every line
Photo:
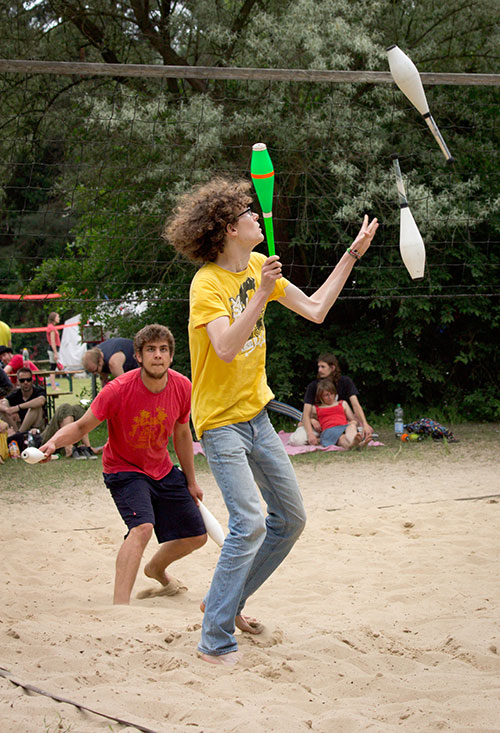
91, 167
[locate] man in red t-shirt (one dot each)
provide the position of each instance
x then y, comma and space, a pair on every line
144, 408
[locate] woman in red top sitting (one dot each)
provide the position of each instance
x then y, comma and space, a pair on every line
336, 419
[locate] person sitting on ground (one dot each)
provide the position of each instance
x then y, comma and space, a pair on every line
65, 415
6, 353
336, 420
328, 368
143, 409
110, 359
13, 362
54, 341
6, 385
24, 407
4, 450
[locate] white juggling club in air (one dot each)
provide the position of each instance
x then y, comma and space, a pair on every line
405, 74
411, 244
214, 530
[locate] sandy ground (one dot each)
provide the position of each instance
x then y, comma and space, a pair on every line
385, 616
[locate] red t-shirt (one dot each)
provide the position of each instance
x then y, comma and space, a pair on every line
51, 328
16, 363
331, 416
141, 422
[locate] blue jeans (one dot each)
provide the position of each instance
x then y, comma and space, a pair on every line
331, 436
239, 456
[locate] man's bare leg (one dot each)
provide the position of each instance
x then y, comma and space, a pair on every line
168, 553
243, 623
128, 561
34, 418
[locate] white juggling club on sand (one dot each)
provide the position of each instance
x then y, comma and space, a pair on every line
405, 74
411, 244
33, 455
214, 530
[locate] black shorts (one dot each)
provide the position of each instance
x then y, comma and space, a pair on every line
165, 503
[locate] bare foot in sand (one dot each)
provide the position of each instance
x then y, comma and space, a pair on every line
248, 624
229, 659
169, 586
243, 623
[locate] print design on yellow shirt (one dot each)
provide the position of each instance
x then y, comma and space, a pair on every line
238, 305
148, 430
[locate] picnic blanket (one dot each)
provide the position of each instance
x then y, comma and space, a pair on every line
294, 450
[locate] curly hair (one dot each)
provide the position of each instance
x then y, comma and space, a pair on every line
197, 226
151, 334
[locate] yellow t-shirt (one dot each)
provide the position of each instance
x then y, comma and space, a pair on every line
224, 393
4, 334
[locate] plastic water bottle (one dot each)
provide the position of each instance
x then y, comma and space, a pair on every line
26, 356
398, 421
14, 451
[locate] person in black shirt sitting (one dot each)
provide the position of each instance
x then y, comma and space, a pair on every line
328, 368
24, 407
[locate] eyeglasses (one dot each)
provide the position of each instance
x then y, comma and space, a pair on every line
247, 211
25, 379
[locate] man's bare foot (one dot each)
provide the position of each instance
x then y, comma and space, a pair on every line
248, 624
243, 623
229, 659
169, 586
160, 575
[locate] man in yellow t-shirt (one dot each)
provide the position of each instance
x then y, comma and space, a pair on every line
215, 225
5, 335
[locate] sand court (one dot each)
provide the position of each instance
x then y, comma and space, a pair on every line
385, 615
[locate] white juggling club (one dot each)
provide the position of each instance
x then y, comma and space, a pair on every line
33, 455
214, 530
411, 244
405, 74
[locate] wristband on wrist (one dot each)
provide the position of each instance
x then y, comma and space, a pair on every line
353, 253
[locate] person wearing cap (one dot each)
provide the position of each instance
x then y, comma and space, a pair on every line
13, 362
5, 355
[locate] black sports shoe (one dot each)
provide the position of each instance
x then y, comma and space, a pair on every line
77, 454
88, 452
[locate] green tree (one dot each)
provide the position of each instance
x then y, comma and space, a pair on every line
127, 146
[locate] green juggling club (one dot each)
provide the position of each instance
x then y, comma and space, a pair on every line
262, 173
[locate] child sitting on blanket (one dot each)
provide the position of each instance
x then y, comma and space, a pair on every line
335, 419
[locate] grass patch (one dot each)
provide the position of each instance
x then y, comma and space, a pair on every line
82, 389
479, 438
479, 441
